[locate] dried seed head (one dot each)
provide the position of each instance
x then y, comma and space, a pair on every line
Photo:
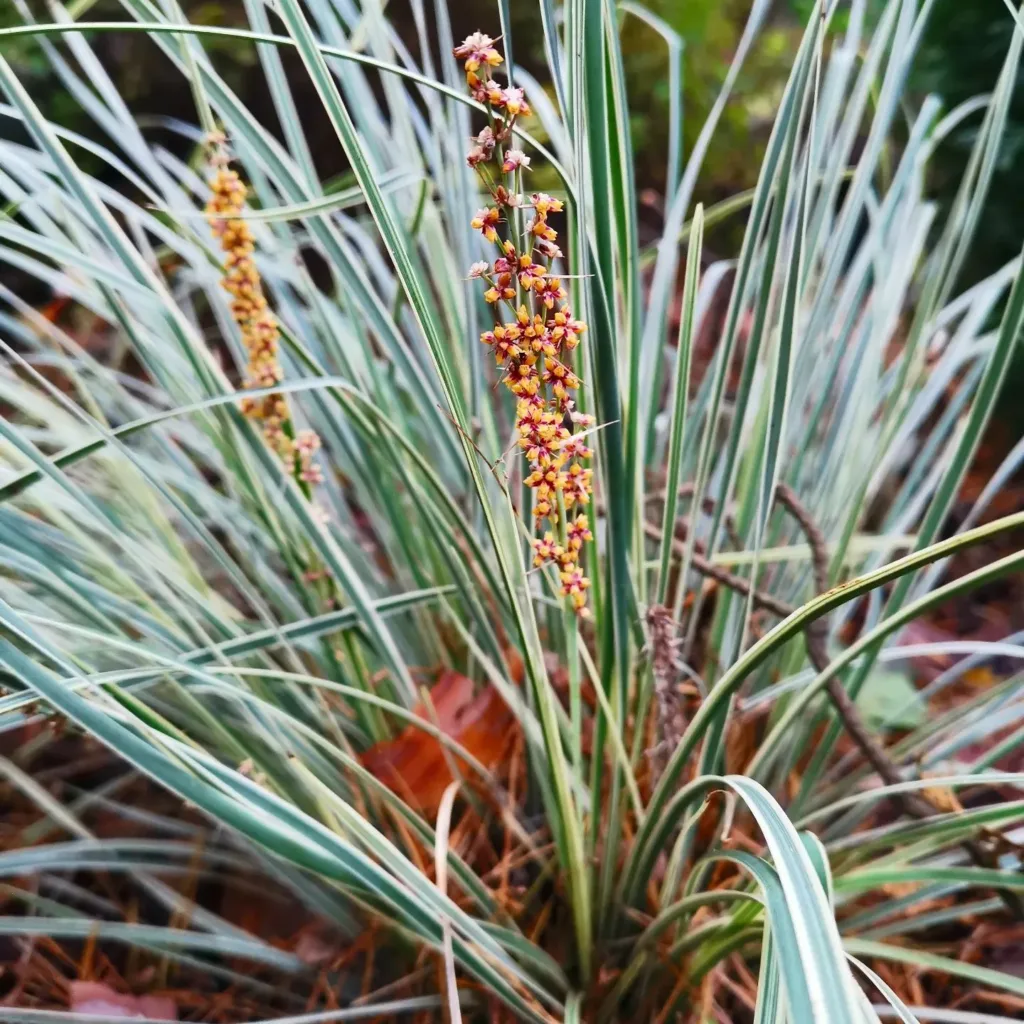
254, 317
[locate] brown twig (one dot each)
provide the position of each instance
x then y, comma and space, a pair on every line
816, 635
816, 632
706, 567
686, 490
816, 638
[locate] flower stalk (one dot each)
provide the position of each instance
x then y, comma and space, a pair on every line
256, 321
534, 331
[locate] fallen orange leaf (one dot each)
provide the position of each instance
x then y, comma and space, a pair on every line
53, 309
981, 678
414, 764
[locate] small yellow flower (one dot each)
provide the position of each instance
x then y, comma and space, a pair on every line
515, 160
486, 221
578, 532
476, 50
543, 204
514, 102
575, 586
545, 550
542, 230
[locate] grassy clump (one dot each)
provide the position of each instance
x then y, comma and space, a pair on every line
681, 799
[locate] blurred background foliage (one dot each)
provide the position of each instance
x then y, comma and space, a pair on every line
956, 72
709, 29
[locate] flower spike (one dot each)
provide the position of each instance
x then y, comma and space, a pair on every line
532, 346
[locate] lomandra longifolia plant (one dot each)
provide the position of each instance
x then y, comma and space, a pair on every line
571, 684
535, 331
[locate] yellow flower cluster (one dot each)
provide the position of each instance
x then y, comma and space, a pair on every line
531, 343
256, 321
